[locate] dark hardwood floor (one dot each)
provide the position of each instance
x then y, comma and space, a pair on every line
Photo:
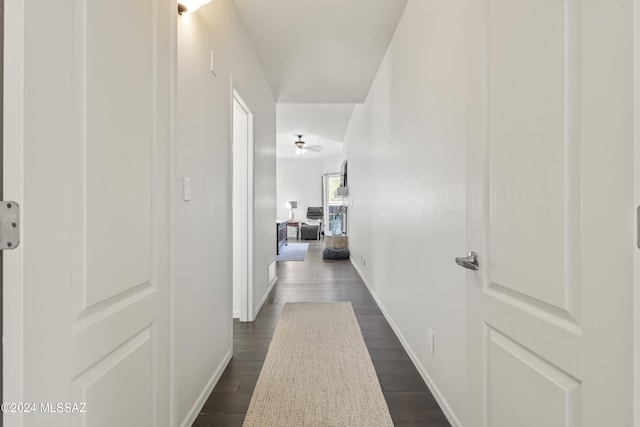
410, 402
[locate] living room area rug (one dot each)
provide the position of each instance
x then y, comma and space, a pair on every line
318, 372
293, 252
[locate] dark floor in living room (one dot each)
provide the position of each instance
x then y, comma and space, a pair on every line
410, 402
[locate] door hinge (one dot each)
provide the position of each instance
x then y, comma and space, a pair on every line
9, 225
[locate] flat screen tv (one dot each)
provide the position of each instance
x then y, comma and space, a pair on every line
343, 174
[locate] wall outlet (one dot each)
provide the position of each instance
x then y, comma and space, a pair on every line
430, 339
186, 188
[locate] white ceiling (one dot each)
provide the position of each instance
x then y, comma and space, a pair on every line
321, 125
319, 52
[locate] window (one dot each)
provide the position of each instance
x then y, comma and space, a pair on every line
333, 182
335, 210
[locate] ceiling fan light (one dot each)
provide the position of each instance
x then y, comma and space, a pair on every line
300, 144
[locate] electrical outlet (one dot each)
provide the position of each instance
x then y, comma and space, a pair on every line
430, 339
186, 188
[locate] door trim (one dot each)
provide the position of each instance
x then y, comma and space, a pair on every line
13, 188
247, 303
173, 203
636, 191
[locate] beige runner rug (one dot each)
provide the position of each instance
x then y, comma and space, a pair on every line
318, 373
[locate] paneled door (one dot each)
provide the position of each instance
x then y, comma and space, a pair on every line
550, 213
87, 152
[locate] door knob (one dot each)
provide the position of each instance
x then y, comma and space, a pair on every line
470, 261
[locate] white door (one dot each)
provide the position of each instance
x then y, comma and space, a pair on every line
550, 213
87, 148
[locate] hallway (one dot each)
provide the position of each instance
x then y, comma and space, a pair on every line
504, 134
410, 402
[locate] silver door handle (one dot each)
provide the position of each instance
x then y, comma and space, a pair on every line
470, 261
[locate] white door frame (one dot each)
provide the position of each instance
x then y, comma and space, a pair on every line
636, 250
246, 214
13, 185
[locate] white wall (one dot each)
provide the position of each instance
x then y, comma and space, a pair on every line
406, 153
333, 164
299, 180
202, 235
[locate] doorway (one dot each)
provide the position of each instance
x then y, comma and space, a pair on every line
334, 206
242, 209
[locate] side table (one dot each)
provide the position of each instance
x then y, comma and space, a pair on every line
295, 224
336, 241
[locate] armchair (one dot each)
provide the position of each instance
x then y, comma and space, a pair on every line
311, 228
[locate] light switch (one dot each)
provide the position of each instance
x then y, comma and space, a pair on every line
186, 188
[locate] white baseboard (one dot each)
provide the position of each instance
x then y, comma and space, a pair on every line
266, 294
197, 406
271, 285
446, 409
236, 314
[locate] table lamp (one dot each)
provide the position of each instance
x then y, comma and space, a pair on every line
291, 206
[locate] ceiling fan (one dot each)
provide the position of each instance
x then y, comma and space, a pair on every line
303, 149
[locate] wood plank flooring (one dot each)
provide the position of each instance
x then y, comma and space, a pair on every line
410, 402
